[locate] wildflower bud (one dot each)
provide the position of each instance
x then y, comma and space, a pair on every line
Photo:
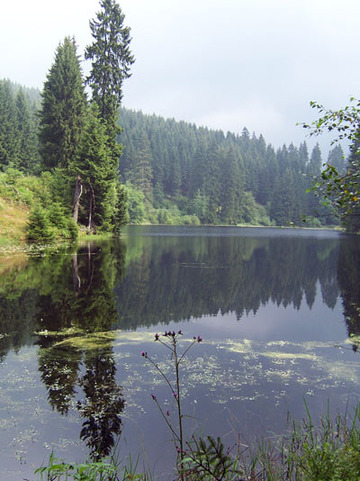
180, 333
156, 337
199, 339
167, 413
144, 354
154, 397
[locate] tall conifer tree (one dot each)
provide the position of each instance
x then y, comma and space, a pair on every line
142, 173
111, 60
95, 165
63, 108
8, 127
28, 157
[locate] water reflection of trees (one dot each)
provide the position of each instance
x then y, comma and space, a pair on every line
178, 278
172, 278
349, 283
85, 304
102, 406
42, 294
81, 294
59, 369
69, 373
89, 290
60, 294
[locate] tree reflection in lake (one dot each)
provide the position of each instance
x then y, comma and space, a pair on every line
86, 304
102, 406
179, 277
349, 284
102, 402
68, 303
172, 278
59, 369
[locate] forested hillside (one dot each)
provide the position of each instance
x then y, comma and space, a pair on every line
219, 178
75, 137
95, 165
19, 145
176, 172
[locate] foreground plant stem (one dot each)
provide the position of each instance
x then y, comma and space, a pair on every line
171, 343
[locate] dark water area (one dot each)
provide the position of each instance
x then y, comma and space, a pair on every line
278, 311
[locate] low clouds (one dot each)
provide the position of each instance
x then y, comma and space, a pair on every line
225, 65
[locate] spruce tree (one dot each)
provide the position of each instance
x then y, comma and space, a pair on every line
8, 127
111, 60
28, 148
336, 158
233, 187
95, 164
62, 109
142, 174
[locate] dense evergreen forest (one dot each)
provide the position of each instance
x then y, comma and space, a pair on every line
219, 178
76, 157
176, 172
77, 136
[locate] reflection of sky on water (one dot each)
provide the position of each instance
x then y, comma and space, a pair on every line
243, 380
233, 383
250, 371
272, 322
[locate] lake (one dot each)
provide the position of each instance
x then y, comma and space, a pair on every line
278, 311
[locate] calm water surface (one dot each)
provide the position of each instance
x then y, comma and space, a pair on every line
279, 312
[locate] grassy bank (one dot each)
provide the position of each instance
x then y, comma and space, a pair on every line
13, 219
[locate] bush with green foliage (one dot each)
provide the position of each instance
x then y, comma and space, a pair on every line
49, 225
39, 228
340, 187
135, 204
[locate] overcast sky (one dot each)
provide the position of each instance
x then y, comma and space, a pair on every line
223, 64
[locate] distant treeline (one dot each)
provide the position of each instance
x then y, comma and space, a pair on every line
221, 178
176, 172
19, 144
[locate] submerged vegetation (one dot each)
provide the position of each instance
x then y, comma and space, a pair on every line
79, 304
327, 450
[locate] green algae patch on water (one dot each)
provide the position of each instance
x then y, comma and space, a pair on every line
82, 340
87, 342
342, 371
241, 347
67, 332
136, 337
289, 355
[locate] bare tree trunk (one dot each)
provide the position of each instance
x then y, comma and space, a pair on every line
91, 207
77, 195
90, 211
